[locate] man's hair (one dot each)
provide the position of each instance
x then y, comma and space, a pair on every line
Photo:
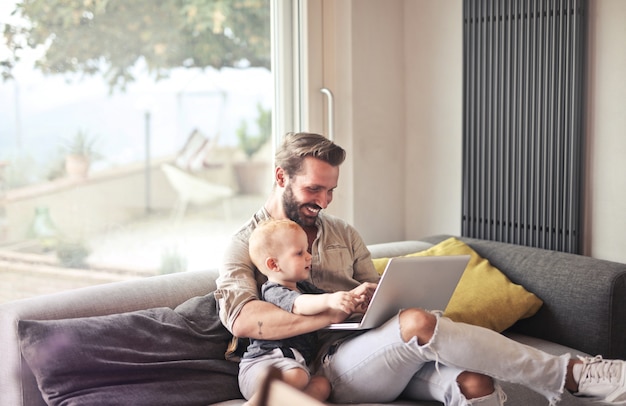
297, 146
266, 238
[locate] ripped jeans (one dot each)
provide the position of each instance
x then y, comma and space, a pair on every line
378, 366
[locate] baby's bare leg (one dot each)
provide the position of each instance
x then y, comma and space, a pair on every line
318, 388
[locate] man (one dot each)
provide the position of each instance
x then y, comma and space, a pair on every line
417, 354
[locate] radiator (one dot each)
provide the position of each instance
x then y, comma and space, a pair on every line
523, 121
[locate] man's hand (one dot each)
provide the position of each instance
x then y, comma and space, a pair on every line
364, 293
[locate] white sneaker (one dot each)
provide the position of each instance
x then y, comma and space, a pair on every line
605, 379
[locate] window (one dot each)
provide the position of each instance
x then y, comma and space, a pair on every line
131, 132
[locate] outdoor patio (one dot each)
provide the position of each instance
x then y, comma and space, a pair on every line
136, 250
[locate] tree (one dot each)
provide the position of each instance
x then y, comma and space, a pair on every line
109, 37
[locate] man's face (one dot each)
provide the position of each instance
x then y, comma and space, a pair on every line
310, 191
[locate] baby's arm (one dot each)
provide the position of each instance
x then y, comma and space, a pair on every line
307, 304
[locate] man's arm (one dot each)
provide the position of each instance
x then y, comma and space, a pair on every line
262, 320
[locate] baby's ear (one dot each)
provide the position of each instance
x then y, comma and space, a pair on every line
271, 264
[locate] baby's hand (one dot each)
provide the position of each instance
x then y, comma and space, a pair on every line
363, 293
344, 301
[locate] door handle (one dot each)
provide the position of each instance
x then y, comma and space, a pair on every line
331, 112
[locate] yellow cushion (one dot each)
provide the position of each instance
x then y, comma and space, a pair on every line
484, 295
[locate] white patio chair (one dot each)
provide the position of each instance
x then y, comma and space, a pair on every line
197, 179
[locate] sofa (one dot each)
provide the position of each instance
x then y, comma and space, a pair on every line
165, 320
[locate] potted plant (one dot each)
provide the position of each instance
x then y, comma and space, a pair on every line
253, 175
79, 153
72, 254
172, 261
249, 143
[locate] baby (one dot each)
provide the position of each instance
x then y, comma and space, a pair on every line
279, 249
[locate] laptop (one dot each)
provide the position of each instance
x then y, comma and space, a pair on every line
424, 282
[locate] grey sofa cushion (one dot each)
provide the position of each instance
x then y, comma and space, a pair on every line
147, 357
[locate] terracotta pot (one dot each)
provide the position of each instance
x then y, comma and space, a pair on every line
76, 166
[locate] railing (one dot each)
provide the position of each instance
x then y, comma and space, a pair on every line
80, 207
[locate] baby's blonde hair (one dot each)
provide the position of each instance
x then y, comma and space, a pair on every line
266, 239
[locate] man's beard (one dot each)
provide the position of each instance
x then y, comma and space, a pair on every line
292, 209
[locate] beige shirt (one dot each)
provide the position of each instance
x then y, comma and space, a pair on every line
340, 261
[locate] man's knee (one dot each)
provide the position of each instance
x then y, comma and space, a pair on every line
475, 385
417, 323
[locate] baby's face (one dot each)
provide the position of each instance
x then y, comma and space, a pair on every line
294, 259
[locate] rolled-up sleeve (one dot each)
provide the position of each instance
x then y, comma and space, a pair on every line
236, 284
239, 281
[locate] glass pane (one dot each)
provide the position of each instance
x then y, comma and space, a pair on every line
134, 137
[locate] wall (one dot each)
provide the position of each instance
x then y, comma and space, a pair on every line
434, 89
79, 208
606, 132
379, 143
409, 186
